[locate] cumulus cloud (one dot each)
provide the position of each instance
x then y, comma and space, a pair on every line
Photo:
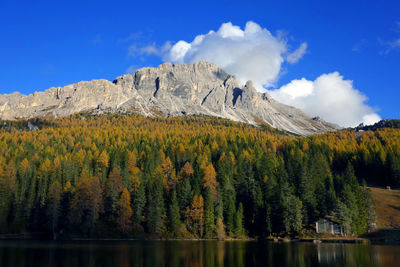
252, 53
330, 97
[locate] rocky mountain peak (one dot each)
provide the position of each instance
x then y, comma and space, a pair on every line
169, 90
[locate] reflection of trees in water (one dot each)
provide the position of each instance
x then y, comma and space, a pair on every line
357, 255
330, 253
194, 253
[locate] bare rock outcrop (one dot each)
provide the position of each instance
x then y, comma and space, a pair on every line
169, 90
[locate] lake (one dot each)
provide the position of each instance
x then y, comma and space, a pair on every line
194, 253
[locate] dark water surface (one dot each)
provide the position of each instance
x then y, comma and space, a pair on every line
193, 253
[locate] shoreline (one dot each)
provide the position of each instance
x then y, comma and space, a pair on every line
356, 240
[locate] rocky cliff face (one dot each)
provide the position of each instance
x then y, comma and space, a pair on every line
169, 90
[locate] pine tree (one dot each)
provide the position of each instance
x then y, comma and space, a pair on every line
155, 217
86, 203
184, 194
209, 218
348, 211
293, 218
239, 229
307, 196
174, 216
113, 189
139, 203
343, 213
54, 206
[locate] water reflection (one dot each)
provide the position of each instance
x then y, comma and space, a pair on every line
193, 253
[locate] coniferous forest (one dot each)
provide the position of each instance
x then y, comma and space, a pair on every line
189, 177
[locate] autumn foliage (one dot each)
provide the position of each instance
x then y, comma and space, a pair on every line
127, 175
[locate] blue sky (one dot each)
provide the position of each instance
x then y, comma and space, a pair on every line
55, 43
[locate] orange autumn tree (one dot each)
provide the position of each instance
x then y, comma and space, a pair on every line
186, 172
195, 215
133, 179
102, 165
125, 211
249, 163
210, 179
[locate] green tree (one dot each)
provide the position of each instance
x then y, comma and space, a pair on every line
293, 218
155, 214
86, 203
343, 213
139, 203
112, 193
54, 207
209, 218
239, 229
184, 194
174, 216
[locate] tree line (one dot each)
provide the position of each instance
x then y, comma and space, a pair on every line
189, 177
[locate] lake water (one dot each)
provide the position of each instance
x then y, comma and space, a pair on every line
193, 253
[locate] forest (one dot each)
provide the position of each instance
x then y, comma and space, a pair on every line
128, 176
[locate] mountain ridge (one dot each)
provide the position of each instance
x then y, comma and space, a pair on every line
168, 90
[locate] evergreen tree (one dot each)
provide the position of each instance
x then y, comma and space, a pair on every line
348, 211
293, 215
155, 213
343, 213
174, 216
370, 209
86, 203
48, 177
184, 194
112, 193
227, 190
139, 203
307, 196
209, 218
239, 229
54, 207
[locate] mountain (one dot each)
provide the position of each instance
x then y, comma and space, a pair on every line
169, 90
385, 123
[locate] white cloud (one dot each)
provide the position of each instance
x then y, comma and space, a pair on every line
330, 97
389, 46
153, 49
149, 50
297, 54
252, 53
